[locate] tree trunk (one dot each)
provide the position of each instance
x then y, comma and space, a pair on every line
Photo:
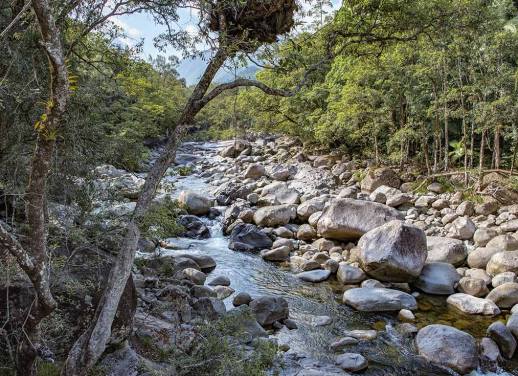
497, 151
472, 145
481, 158
376, 151
426, 156
92, 343
34, 260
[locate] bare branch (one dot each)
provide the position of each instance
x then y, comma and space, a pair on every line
15, 19
240, 82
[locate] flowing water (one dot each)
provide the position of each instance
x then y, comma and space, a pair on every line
389, 354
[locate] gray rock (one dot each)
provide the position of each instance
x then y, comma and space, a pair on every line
343, 342
463, 228
505, 242
440, 249
220, 281
483, 235
393, 252
448, 347
504, 296
345, 218
473, 286
349, 275
255, 171
194, 203
276, 254
277, 215
502, 278
378, 299
438, 278
241, 298
503, 337
314, 276
248, 237
512, 324
481, 256
377, 178
501, 262
309, 207
223, 292
351, 362
195, 276
268, 309
473, 305
489, 350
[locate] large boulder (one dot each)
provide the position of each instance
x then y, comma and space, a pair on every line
501, 334
268, 309
248, 237
194, 227
379, 177
378, 299
393, 252
277, 215
473, 305
479, 257
346, 219
438, 278
505, 296
501, 262
194, 203
448, 347
452, 251
255, 171
309, 207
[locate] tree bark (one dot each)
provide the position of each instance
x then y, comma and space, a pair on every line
34, 260
481, 158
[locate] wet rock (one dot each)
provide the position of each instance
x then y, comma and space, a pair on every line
276, 254
449, 347
346, 219
361, 335
194, 227
349, 275
489, 350
314, 276
290, 324
473, 305
220, 281
204, 262
351, 362
248, 237
512, 324
268, 309
321, 320
437, 278
194, 203
271, 216
504, 296
503, 337
393, 252
378, 299
343, 342
223, 292
241, 298
406, 315
440, 249
195, 276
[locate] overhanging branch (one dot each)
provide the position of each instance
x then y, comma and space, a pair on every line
241, 82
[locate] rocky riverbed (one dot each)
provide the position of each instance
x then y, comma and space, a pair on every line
344, 267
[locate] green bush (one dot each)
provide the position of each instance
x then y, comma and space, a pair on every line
161, 221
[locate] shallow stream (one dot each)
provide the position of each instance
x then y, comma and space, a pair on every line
389, 354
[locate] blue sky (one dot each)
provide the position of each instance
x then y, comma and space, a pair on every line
141, 26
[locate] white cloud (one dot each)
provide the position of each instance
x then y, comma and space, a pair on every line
132, 32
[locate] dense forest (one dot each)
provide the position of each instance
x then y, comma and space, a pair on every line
374, 146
